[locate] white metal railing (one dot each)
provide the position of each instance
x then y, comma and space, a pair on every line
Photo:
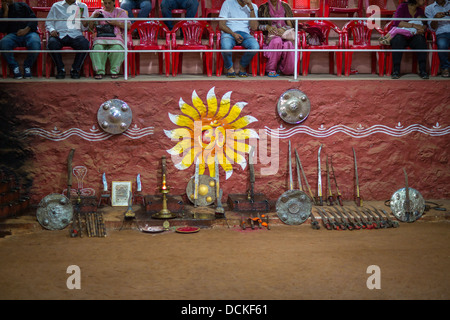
296, 49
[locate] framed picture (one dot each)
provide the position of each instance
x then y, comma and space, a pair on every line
120, 193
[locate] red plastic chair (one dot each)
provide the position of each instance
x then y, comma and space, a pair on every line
148, 33
37, 68
213, 9
342, 7
50, 65
303, 7
192, 40
388, 55
382, 4
326, 27
219, 59
361, 36
93, 4
434, 70
43, 6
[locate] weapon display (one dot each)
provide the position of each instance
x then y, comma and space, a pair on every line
357, 196
330, 197
326, 223
319, 200
338, 193
293, 206
304, 176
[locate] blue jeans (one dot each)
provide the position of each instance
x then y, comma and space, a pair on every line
11, 41
144, 5
443, 42
227, 42
191, 7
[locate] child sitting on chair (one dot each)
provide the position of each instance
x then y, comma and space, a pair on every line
407, 32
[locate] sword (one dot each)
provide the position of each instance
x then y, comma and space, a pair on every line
358, 197
69, 172
319, 180
407, 203
291, 183
304, 175
252, 174
325, 221
330, 194
338, 193
196, 178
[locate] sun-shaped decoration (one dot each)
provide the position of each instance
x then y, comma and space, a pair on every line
211, 131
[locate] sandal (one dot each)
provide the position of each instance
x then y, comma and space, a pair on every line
243, 74
98, 77
114, 76
231, 74
272, 74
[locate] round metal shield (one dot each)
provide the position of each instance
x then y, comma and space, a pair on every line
54, 212
114, 116
293, 106
294, 207
398, 206
206, 190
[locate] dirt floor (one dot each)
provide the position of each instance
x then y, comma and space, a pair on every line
220, 263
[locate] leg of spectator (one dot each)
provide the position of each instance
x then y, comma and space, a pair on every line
56, 44
399, 42
249, 43
99, 59
443, 43
79, 43
33, 42
227, 42
9, 42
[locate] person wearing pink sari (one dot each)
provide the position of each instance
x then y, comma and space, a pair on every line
273, 30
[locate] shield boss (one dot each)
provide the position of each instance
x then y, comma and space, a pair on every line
114, 116
293, 106
398, 205
54, 212
294, 207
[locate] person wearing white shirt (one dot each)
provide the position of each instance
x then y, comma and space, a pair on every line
67, 32
237, 32
440, 9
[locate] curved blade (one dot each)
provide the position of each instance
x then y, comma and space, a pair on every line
319, 178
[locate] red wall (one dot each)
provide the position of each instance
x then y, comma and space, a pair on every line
349, 103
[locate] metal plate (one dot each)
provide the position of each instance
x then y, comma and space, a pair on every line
294, 207
114, 116
417, 205
54, 212
293, 106
206, 190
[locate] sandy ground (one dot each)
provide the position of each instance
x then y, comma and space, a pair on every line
285, 262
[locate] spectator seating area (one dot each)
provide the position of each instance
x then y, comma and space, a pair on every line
201, 35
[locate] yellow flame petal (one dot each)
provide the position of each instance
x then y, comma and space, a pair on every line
235, 112
189, 110
243, 122
178, 133
224, 105
181, 146
212, 103
181, 120
198, 104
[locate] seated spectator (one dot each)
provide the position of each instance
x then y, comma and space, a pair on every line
145, 7
19, 34
408, 10
108, 36
67, 32
237, 32
273, 35
440, 9
191, 7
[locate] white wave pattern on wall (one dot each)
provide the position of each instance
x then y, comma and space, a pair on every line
94, 135
359, 132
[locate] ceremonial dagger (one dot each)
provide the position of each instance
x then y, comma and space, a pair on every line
252, 174
358, 197
319, 180
196, 178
